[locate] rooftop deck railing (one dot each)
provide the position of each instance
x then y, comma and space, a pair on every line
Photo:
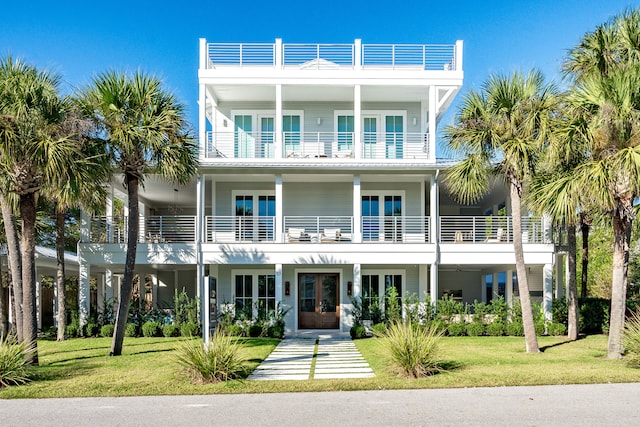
327, 56
490, 229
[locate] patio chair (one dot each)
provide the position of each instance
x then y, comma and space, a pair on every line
499, 237
296, 234
330, 235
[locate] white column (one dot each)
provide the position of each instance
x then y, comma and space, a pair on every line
100, 278
278, 58
200, 214
279, 284
154, 289
279, 146
357, 210
202, 295
357, 47
433, 282
432, 122
547, 290
357, 281
202, 104
108, 282
109, 213
84, 299
279, 237
508, 291
38, 300
357, 122
423, 280
458, 64
434, 208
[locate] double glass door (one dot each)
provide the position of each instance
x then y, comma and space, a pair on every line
382, 218
252, 227
318, 301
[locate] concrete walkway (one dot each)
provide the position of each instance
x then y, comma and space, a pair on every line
304, 359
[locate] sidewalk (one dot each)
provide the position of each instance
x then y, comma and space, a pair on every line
305, 359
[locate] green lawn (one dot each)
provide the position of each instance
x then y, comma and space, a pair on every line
81, 367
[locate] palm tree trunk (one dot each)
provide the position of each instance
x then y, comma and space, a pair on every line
4, 318
127, 282
572, 297
60, 276
15, 265
585, 227
530, 338
621, 235
29, 319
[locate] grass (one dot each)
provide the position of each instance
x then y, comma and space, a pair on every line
148, 366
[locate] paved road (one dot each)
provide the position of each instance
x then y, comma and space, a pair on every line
575, 405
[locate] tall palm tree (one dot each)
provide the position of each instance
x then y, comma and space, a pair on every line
145, 132
13, 253
500, 130
31, 156
605, 66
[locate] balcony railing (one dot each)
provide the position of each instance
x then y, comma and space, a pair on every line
318, 229
235, 229
262, 145
152, 229
395, 229
329, 56
490, 229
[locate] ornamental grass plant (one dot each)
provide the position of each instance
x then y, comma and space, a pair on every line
220, 360
631, 340
413, 348
14, 368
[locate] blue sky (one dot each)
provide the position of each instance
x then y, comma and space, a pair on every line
80, 39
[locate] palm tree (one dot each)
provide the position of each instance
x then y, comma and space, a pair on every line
145, 132
500, 131
13, 256
31, 156
605, 66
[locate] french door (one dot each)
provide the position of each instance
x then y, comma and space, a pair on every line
243, 146
267, 137
382, 218
250, 227
370, 136
318, 301
394, 137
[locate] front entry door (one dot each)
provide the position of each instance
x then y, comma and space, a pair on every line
318, 301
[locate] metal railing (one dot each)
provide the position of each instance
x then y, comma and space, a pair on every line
152, 229
262, 145
395, 229
329, 56
318, 56
240, 54
490, 229
420, 56
232, 229
318, 229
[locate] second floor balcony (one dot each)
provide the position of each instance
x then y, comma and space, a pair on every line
321, 229
319, 145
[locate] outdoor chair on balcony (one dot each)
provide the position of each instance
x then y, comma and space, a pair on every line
499, 237
330, 235
297, 235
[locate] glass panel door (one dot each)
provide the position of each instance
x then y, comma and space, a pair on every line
307, 301
318, 301
244, 218
345, 133
266, 213
394, 137
243, 140
267, 127
291, 129
370, 218
370, 135
393, 218
329, 302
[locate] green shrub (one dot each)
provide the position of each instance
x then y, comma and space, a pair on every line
379, 329
631, 340
358, 332
560, 311
219, 361
72, 331
440, 325
556, 329
457, 329
255, 330
593, 315
14, 367
392, 309
189, 329
131, 330
151, 329
91, 329
515, 329
275, 331
170, 331
413, 348
495, 329
475, 329
234, 330
107, 330
539, 325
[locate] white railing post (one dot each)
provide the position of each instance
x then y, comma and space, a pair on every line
458, 56
357, 47
278, 54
